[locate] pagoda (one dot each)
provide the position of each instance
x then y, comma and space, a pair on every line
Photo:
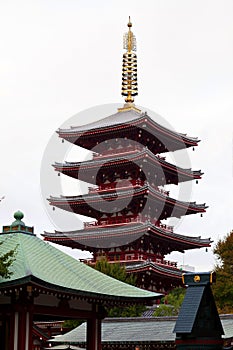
126, 196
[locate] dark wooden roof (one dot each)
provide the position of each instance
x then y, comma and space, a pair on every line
198, 315
127, 124
93, 203
157, 269
189, 309
143, 159
124, 234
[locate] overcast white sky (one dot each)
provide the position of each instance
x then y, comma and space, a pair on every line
59, 57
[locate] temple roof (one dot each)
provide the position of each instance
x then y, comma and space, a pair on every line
123, 330
198, 315
93, 203
37, 262
170, 173
120, 235
136, 330
124, 124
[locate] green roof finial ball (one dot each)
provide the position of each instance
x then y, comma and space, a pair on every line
18, 215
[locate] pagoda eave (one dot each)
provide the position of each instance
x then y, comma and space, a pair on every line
145, 163
160, 270
96, 238
98, 202
138, 127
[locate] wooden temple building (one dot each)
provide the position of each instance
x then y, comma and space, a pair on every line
47, 284
126, 197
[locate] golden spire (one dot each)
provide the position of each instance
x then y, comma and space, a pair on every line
129, 70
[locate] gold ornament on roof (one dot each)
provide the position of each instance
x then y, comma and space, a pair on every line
129, 70
197, 278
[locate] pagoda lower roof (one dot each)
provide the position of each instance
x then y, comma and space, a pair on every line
170, 272
100, 237
112, 201
143, 159
124, 125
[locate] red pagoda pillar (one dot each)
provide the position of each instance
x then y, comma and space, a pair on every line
21, 332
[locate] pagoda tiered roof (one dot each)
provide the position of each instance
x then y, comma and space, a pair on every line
155, 168
165, 271
99, 201
131, 124
123, 234
127, 175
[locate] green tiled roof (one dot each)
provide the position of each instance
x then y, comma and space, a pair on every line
40, 262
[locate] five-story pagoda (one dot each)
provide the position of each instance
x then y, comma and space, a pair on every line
126, 197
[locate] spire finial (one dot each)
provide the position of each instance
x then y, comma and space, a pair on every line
129, 67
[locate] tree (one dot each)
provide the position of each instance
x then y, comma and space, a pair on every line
5, 262
172, 303
223, 289
71, 324
118, 272
115, 270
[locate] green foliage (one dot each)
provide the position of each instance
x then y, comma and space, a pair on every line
176, 297
5, 262
118, 272
172, 302
72, 323
223, 289
115, 270
130, 311
164, 310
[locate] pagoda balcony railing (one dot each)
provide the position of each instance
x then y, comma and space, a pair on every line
118, 152
166, 193
125, 220
113, 186
141, 257
123, 152
114, 223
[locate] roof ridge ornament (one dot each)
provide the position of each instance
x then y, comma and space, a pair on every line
18, 226
129, 71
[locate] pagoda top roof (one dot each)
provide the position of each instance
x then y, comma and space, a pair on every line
115, 119
65, 274
122, 234
124, 119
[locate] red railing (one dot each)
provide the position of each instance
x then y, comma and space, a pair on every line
113, 186
124, 220
140, 257
114, 152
